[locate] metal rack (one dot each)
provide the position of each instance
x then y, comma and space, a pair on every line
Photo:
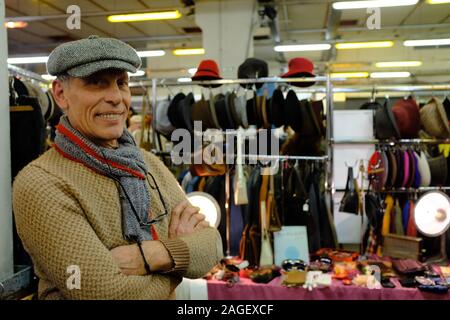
393, 142
155, 83
26, 73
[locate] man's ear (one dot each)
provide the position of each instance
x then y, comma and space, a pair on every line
58, 90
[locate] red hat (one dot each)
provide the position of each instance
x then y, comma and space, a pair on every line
407, 117
299, 67
207, 70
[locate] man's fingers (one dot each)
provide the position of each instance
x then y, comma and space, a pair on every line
201, 225
175, 217
187, 214
195, 219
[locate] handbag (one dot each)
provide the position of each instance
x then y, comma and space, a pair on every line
240, 181
350, 202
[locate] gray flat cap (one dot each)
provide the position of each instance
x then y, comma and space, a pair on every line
84, 57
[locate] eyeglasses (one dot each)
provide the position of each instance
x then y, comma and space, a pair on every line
155, 186
141, 223
290, 264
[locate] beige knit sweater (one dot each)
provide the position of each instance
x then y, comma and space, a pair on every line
66, 214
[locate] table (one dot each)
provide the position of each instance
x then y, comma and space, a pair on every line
245, 289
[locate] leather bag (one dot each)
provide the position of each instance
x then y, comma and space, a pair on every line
350, 202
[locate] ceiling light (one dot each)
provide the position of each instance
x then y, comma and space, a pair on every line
365, 45
48, 77
303, 47
16, 24
138, 73
343, 5
350, 75
151, 53
428, 42
145, 16
186, 52
394, 64
438, 1
192, 71
378, 75
25, 60
184, 80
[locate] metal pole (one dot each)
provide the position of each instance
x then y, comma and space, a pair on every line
154, 100
6, 237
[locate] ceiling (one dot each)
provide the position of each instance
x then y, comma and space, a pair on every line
298, 21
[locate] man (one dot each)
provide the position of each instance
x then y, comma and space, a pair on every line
101, 218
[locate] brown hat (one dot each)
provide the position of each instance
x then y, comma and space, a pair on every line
434, 119
407, 117
201, 112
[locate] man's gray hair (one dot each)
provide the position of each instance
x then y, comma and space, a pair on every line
64, 78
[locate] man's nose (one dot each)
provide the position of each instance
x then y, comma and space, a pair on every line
113, 94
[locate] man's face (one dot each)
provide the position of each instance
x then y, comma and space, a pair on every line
96, 106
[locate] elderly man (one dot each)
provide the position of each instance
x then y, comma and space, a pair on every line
101, 218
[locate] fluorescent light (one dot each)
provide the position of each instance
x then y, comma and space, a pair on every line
192, 71
428, 42
25, 60
343, 5
394, 64
303, 47
16, 24
184, 80
145, 16
151, 53
438, 1
48, 77
350, 75
364, 45
138, 73
378, 75
186, 52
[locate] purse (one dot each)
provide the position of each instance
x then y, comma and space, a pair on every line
350, 202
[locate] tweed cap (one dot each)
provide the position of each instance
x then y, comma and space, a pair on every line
84, 57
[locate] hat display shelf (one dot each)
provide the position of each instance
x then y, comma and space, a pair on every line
326, 88
417, 90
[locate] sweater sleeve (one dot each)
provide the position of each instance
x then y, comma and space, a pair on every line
57, 235
194, 255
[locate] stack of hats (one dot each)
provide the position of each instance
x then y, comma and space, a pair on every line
405, 168
407, 117
434, 119
207, 70
253, 68
300, 67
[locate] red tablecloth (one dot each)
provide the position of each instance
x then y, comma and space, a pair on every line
245, 289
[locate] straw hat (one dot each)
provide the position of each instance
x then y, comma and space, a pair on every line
434, 119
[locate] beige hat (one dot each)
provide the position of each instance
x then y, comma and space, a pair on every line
434, 119
424, 170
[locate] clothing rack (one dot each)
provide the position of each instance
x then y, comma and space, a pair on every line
414, 190
27, 74
393, 142
155, 83
259, 156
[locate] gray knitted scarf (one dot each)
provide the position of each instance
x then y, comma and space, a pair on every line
125, 165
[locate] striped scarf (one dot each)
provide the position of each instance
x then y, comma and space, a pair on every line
125, 165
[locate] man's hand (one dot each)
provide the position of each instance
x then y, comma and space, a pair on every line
131, 262
186, 219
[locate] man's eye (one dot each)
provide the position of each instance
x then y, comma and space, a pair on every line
122, 83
